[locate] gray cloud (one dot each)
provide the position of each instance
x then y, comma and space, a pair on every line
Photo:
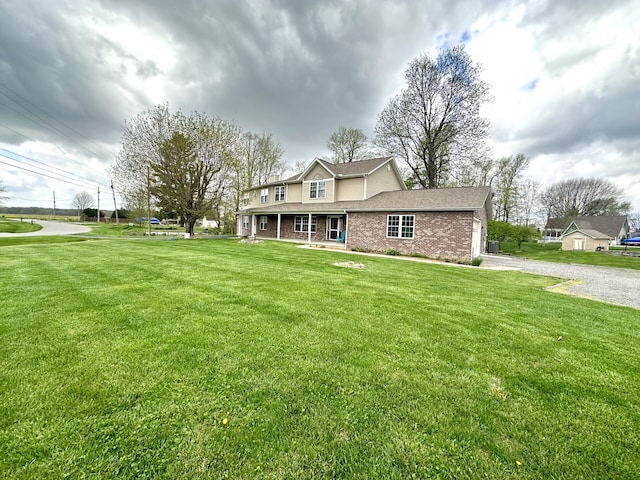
301, 69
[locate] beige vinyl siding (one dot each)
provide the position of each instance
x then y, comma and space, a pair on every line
579, 241
350, 189
318, 173
382, 180
329, 186
294, 193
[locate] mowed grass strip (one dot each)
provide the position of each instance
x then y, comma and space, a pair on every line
216, 359
12, 226
552, 252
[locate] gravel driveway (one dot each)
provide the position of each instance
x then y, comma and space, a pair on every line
619, 286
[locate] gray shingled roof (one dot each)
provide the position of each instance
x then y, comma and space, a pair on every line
591, 233
608, 225
437, 199
354, 168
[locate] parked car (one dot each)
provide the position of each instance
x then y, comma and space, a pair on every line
633, 241
152, 220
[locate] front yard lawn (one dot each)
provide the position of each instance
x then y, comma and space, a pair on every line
217, 359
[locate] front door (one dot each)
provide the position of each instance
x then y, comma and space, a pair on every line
334, 227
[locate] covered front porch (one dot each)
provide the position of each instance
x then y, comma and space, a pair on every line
308, 227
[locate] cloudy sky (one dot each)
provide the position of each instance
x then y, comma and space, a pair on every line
565, 77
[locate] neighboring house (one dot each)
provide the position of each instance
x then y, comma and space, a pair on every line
615, 227
365, 205
588, 240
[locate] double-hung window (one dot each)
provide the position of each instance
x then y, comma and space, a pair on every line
245, 222
263, 222
301, 223
400, 226
318, 189
279, 194
245, 199
264, 195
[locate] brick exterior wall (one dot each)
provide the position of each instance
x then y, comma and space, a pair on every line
436, 234
286, 228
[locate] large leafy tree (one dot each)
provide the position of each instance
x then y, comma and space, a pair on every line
434, 123
506, 185
348, 145
177, 162
583, 196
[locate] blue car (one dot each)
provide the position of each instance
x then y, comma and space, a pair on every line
634, 241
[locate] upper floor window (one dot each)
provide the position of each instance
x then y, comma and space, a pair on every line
318, 189
245, 199
400, 226
264, 195
279, 194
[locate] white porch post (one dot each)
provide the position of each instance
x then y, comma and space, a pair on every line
279, 220
253, 225
309, 228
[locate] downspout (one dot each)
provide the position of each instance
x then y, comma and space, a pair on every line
309, 228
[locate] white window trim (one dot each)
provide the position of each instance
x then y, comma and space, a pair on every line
264, 195
245, 222
263, 222
275, 194
314, 223
317, 193
400, 225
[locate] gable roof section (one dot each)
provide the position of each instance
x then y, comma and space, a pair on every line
433, 200
589, 233
361, 167
609, 225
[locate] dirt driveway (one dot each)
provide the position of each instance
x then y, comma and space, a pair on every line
619, 286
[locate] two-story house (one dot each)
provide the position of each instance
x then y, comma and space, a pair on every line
366, 205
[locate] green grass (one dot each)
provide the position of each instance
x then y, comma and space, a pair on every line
11, 226
122, 359
551, 252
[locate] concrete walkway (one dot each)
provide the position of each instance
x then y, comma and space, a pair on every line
50, 228
619, 286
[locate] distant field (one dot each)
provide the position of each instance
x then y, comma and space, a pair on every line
125, 358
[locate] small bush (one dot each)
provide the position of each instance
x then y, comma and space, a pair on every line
476, 262
393, 252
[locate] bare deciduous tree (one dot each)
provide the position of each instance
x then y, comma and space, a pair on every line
434, 123
82, 200
348, 145
583, 196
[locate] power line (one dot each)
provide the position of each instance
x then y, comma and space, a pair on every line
47, 168
54, 119
42, 174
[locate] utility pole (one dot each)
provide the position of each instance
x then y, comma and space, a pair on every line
115, 208
54, 205
98, 204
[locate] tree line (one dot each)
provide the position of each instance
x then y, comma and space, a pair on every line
192, 165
